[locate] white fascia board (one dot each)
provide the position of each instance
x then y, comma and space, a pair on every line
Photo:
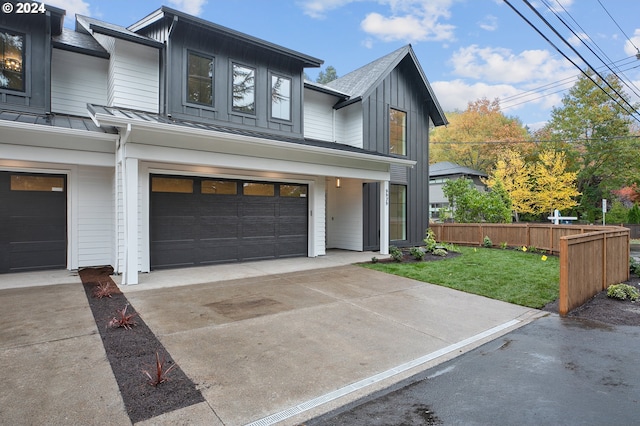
250, 140
61, 131
55, 155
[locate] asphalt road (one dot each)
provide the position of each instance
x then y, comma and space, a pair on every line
551, 371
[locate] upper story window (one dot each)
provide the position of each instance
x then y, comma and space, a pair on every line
244, 89
200, 79
12, 61
397, 132
280, 97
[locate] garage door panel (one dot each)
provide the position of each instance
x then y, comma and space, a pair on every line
233, 221
173, 254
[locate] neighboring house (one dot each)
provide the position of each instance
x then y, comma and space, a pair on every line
439, 174
177, 142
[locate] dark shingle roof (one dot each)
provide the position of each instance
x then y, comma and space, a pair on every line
87, 24
79, 42
446, 168
56, 120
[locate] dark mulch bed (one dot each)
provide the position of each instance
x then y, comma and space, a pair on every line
132, 351
605, 309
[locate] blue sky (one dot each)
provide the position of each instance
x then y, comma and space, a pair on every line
468, 48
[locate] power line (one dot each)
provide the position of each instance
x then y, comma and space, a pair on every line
534, 141
625, 34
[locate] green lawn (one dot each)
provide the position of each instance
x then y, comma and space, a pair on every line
509, 275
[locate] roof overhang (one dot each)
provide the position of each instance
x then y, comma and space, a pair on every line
162, 136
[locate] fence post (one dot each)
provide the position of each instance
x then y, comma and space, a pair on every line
604, 261
563, 299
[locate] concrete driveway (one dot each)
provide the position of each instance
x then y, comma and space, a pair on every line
264, 349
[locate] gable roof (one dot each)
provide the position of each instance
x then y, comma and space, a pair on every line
445, 168
88, 25
167, 12
74, 41
360, 83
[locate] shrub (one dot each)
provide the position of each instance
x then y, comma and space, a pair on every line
430, 241
396, 253
634, 266
486, 242
374, 259
103, 289
418, 253
451, 247
622, 291
440, 252
503, 245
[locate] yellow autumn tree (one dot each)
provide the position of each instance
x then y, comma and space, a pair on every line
515, 175
555, 187
474, 137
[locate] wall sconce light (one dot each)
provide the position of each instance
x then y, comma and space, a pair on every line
338, 183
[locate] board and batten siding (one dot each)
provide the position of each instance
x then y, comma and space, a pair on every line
319, 116
134, 74
95, 216
404, 90
77, 80
344, 215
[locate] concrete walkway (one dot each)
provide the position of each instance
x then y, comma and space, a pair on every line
265, 342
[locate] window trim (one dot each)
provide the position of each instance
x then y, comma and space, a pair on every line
233, 109
406, 131
26, 63
186, 100
273, 74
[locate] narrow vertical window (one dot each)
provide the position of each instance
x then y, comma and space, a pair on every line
397, 132
398, 212
244, 85
200, 79
12, 61
280, 97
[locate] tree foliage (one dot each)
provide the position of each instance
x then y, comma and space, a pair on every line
328, 75
476, 136
513, 175
595, 130
555, 187
471, 205
634, 214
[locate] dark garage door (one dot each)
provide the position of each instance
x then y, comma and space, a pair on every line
202, 221
33, 222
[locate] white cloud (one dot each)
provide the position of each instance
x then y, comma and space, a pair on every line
494, 64
319, 8
489, 23
72, 7
192, 7
456, 94
629, 48
576, 40
406, 20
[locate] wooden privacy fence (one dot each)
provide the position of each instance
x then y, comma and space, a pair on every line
591, 257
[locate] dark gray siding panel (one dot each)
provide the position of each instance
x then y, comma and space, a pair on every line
403, 89
371, 209
225, 51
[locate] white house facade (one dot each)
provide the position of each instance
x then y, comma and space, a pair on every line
176, 142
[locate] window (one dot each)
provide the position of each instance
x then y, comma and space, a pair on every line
297, 191
12, 61
258, 189
397, 132
178, 185
200, 79
244, 85
398, 212
37, 183
223, 187
280, 97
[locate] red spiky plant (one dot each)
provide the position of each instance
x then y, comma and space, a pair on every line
159, 374
103, 289
123, 319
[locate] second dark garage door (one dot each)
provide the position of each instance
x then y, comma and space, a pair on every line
201, 221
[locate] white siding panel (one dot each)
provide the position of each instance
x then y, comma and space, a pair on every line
349, 125
344, 215
77, 80
318, 116
135, 79
95, 216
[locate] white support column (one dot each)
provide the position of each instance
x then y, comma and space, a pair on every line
131, 226
384, 217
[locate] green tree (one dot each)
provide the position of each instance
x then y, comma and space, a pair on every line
475, 137
634, 214
618, 213
471, 205
328, 75
594, 129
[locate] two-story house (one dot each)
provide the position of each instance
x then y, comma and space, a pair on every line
442, 172
177, 142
